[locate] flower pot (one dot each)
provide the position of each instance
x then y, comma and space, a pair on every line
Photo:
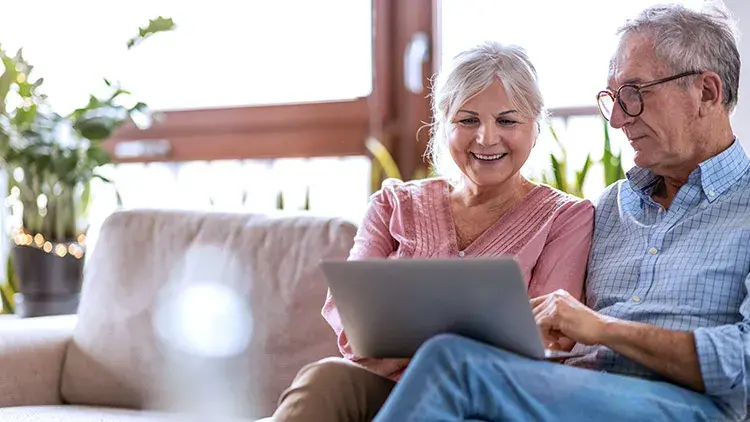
48, 284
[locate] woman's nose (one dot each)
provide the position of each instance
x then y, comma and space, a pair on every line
488, 135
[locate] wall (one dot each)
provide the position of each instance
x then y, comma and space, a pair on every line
740, 121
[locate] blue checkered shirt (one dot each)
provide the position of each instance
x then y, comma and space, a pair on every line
686, 268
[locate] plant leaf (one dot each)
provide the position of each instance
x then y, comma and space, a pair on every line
375, 176
558, 172
7, 78
103, 179
280, 201
9, 287
84, 201
159, 24
383, 157
612, 163
5, 297
582, 173
114, 186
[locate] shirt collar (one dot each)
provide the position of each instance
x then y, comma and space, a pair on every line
723, 170
715, 175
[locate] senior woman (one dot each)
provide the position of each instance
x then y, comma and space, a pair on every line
487, 112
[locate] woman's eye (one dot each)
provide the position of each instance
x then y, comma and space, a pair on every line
468, 121
506, 122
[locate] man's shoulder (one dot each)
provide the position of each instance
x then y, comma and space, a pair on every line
741, 187
611, 193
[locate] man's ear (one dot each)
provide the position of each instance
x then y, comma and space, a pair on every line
712, 92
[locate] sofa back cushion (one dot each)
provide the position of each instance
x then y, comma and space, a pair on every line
271, 262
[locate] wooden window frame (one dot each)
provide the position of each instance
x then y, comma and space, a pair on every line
391, 113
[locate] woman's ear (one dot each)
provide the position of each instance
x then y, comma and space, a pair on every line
712, 92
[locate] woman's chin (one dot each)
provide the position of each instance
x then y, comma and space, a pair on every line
488, 180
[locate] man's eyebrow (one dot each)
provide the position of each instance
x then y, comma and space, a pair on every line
631, 81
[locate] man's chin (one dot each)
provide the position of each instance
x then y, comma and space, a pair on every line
643, 161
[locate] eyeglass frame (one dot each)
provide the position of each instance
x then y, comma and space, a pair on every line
638, 86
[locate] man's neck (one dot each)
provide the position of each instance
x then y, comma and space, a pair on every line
673, 179
666, 190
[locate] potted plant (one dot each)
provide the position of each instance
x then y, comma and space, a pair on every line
50, 161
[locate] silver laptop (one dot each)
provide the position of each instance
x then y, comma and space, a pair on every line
390, 307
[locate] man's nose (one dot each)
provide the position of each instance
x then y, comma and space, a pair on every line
619, 118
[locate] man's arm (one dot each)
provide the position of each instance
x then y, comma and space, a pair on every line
670, 353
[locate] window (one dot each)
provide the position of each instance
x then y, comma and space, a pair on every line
223, 53
570, 42
250, 88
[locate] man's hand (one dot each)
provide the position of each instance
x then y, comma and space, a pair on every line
564, 320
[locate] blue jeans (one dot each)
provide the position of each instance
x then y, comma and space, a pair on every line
452, 378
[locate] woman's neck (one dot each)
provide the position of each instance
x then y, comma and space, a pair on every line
502, 195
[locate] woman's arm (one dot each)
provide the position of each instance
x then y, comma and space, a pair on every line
562, 262
373, 240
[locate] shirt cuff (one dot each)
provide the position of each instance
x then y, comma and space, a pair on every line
721, 355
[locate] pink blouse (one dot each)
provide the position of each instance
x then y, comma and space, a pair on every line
549, 232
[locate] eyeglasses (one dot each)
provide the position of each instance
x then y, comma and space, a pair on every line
629, 97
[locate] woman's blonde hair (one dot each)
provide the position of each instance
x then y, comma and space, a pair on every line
471, 72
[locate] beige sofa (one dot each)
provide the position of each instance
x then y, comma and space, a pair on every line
115, 361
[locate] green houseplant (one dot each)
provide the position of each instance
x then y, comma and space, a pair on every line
611, 162
50, 160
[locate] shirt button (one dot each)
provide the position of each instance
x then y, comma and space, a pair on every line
461, 253
711, 193
661, 210
636, 299
653, 251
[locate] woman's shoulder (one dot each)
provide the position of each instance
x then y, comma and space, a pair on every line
556, 195
414, 188
561, 203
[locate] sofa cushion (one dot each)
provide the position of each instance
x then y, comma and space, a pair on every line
116, 357
88, 414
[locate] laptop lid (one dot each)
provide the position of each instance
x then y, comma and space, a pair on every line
389, 308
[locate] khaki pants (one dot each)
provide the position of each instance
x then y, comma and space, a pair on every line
333, 390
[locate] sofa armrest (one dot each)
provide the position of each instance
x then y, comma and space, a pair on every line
31, 359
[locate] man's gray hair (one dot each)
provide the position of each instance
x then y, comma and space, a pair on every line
690, 40
471, 72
